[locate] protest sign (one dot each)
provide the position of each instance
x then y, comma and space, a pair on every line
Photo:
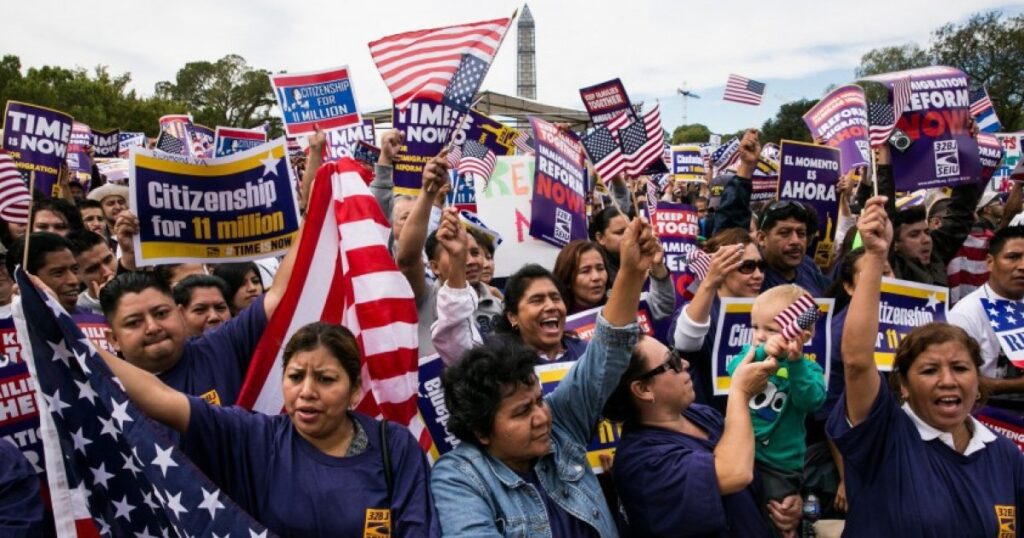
688, 163
941, 150
37, 139
606, 100
840, 120
1007, 320
114, 170
78, 160
505, 207
808, 173
323, 98
677, 227
203, 139
1004, 422
560, 186
428, 127
229, 140
127, 140
106, 144
234, 208
433, 407
1012, 144
990, 152
735, 331
342, 142
903, 306
463, 192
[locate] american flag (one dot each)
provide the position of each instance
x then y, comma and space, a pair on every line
797, 317
652, 198
618, 122
136, 482
454, 156
983, 111
477, 159
523, 142
698, 263
465, 83
423, 63
726, 154
1007, 320
14, 195
642, 142
344, 274
881, 124
169, 143
743, 90
604, 152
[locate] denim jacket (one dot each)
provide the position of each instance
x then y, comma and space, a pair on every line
477, 495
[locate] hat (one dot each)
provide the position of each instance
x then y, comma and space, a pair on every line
108, 189
988, 199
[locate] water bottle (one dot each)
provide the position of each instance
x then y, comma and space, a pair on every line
812, 512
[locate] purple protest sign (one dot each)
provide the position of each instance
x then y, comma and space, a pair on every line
903, 306
428, 127
78, 160
1004, 422
990, 153
688, 163
560, 186
941, 150
606, 100
808, 173
840, 120
677, 227
342, 142
106, 144
37, 139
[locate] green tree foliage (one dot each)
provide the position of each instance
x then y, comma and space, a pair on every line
788, 123
693, 133
987, 48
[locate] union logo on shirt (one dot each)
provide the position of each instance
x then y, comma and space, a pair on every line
211, 397
378, 523
1006, 514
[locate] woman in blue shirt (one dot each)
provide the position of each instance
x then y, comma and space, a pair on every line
917, 464
319, 469
521, 468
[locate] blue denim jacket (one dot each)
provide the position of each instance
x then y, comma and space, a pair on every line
477, 495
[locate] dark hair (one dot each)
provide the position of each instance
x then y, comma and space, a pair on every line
337, 340
567, 265
482, 240
89, 204
41, 243
515, 289
620, 406
847, 270
133, 282
234, 275
165, 272
998, 241
789, 209
432, 245
600, 221
910, 215
920, 339
61, 207
183, 291
726, 237
939, 208
83, 240
475, 385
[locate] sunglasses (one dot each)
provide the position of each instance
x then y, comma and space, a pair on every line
748, 266
778, 207
674, 362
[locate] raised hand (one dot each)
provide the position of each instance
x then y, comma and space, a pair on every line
435, 173
749, 377
639, 247
724, 261
452, 234
390, 144
317, 141
875, 228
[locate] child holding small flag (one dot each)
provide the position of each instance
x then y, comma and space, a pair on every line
783, 320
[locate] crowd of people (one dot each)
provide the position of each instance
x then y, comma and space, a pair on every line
895, 454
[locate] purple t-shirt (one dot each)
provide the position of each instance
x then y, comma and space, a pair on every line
667, 482
563, 524
901, 485
214, 364
287, 484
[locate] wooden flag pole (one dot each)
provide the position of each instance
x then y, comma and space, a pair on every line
28, 230
874, 172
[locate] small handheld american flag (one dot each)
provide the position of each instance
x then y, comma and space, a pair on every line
798, 317
698, 262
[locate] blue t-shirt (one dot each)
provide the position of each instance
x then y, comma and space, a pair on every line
836, 382
666, 480
21, 505
563, 524
214, 364
700, 360
901, 485
287, 484
808, 277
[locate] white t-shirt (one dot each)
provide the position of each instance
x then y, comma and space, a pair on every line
971, 317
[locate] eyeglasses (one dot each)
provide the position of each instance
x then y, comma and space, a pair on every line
674, 362
778, 207
748, 266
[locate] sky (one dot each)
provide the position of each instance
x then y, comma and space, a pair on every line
797, 47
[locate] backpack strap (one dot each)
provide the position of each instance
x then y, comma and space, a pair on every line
385, 452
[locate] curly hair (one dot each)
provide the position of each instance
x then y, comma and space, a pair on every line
477, 383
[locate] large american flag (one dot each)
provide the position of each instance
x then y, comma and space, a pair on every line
743, 90
423, 63
477, 159
136, 482
882, 120
604, 151
344, 274
14, 195
798, 317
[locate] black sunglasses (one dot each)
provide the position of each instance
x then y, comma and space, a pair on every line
779, 206
748, 266
674, 362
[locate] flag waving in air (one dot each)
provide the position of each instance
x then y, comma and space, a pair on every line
355, 283
743, 90
14, 195
883, 118
983, 112
441, 64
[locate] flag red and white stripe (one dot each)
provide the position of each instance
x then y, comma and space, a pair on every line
420, 64
14, 195
344, 274
651, 151
968, 271
797, 317
743, 90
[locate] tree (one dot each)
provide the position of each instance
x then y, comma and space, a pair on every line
695, 132
888, 59
788, 123
226, 92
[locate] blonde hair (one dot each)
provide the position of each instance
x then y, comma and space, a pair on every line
779, 296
